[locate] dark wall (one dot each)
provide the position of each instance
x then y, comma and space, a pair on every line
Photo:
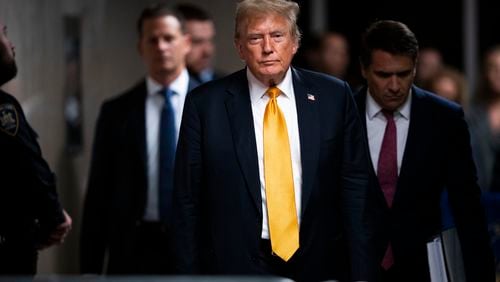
489, 21
436, 23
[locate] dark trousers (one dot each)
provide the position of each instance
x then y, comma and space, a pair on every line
274, 265
397, 274
18, 260
390, 275
153, 251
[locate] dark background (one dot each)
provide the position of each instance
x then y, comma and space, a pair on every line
436, 23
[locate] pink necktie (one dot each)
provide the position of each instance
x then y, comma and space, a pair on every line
387, 172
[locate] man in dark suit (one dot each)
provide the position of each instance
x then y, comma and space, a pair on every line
419, 146
31, 217
271, 169
201, 28
127, 212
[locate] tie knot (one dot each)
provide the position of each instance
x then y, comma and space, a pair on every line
166, 92
273, 92
388, 114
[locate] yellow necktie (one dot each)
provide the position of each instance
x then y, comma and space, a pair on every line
282, 214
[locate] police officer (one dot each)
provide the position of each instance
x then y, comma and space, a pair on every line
31, 217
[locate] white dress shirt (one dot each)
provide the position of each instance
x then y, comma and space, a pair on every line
286, 102
154, 106
376, 123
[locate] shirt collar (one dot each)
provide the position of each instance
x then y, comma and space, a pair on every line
257, 89
206, 75
373, 108
179, 86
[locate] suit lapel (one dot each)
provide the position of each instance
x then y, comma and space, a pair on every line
136, 124
360, 99
240, 116
309, 132
415, 140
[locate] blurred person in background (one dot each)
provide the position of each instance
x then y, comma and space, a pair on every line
429, 62
334, 54
308, 56
450, 84
31, 217
484, 120
126, 226
201, 28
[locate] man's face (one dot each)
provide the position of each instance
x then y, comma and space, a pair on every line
389, 78
335, 55
429, 63
8, 68
493, 71
446, 87
267, 46
202, 45
163, 46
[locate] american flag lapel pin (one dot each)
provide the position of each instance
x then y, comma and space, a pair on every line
311, 97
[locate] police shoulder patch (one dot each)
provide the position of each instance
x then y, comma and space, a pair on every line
9, 119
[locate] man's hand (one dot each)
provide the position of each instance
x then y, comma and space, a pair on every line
60, 232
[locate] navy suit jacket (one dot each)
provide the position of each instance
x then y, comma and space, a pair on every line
437, 156
217, 187
117, 185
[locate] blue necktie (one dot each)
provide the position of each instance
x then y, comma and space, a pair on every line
167, 146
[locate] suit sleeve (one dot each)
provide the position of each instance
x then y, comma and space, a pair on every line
465, 202
41, 178
49, 213
354, 181
187, 186
94, 241
25, 173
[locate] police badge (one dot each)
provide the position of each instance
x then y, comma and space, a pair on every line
9, 120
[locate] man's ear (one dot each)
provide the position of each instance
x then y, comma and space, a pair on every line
363, 70
188, 43
296, 45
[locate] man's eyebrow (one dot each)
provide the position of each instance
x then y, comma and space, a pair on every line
391, 72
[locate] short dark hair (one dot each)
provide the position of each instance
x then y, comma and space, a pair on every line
192, 13
389, 36
157, 10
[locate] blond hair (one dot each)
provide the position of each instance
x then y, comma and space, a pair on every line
288, 9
